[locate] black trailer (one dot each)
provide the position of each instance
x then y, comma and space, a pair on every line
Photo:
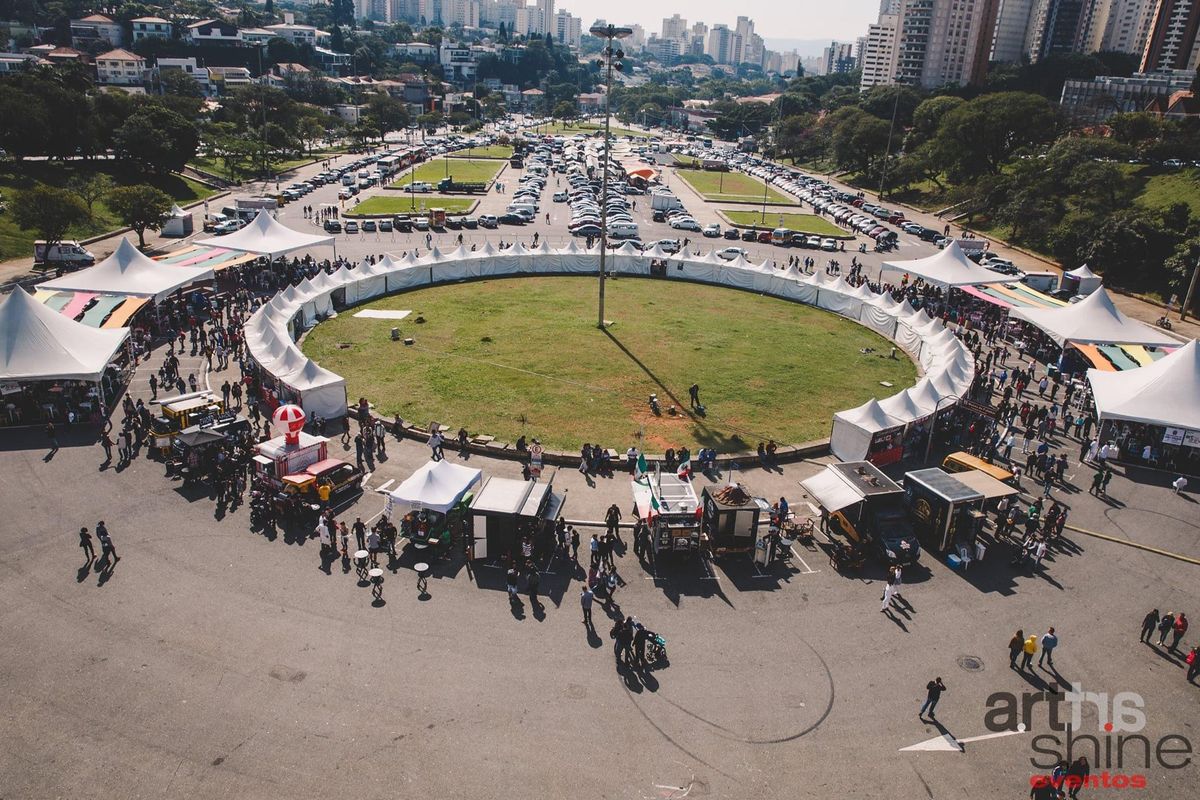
507, 514
731, 521
941, 509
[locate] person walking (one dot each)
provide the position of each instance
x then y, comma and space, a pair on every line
886, 600
106, 443
585, 602
1149, 624
1015, 645
1177, 631
612, 518
1193, 662
1028, 649
1049, 642
106, 545
85, 544
52, 436
1165, 626
933, 693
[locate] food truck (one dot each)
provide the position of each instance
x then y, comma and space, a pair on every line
669, 506
183, 411
289, 453
732, 519
508, 512
423, 506
945, 512
867, 507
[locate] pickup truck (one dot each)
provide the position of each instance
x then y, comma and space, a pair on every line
451, 185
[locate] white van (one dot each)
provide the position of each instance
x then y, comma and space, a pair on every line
1041, 281
519, 208
623, 230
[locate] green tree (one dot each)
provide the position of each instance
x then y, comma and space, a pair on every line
49, 210
24, 122
565, 110
881, 100
980, 136
140, 207
927, 117
178, 83
857, 139
92, 188
157, 140
386, 114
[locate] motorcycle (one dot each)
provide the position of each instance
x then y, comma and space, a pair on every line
1163, 322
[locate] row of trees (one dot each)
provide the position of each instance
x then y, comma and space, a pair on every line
52, 210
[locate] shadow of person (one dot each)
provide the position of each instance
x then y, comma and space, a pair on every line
593, 639
82, 573
539, 611
899, 622
944, 731
517, 608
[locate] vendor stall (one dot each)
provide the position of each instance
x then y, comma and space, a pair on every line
732, 519
669, 506
183, 411
506, 513
867, 507
941, 509
288, 454
423, 505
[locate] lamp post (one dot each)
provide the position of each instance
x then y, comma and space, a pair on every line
891, 127
933, 424
609, 59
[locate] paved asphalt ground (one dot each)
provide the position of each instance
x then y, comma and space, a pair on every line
214, 662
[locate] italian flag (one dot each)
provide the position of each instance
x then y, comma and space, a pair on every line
644, 480
685, 469
642, 468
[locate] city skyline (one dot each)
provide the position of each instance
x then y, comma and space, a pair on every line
806, 19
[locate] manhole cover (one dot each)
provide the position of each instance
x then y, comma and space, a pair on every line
971, 663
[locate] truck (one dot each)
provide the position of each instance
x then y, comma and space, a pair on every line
67, 253
1041, 281
866, 507
664, 201
450, 185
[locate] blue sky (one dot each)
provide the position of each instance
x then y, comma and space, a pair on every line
780, 19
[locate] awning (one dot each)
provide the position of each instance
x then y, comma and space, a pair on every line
830, 491
985, 484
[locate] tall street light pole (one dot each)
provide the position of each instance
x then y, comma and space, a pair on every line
891, 127
609, 59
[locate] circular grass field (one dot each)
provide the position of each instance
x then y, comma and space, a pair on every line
517, 356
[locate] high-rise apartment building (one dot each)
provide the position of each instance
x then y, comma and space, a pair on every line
675, 27
1171, 43
879, 55
568, 29
942, 42
1012, 26
1118, 25
724, 45
1054, 27
838, 58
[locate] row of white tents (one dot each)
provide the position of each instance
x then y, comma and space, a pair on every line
948, 365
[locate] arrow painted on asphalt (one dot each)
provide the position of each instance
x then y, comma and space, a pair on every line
948, 744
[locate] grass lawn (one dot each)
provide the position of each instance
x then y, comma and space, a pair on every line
461, 169
686, 161
731, 187
523, 356
1162, 187
216, 166
405, 204
14, 176
491, 151
801, 223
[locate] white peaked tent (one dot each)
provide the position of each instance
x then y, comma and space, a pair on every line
39, 344
178, 223
927, 397
1166, 392
854, 429
128, 271
902, 406
1093, 320
1087, 281
265, 236
950, 267
437, 486
321, 391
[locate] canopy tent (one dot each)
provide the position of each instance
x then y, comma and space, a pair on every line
437, 486
178, 223
854, 429
127, 271
1093, 320
950, 267
1082, 279
1163, 393
829, 489
265, 236
39, 344
321, 391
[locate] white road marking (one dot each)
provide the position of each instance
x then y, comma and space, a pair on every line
946, 743
383, 487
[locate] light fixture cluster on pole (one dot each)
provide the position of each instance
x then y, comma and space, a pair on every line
610, 59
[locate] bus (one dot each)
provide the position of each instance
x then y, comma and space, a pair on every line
388, 165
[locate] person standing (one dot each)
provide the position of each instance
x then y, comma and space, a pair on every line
585, 602
888, 591
106, 443
1193, 662
52, 435
85, 544
1049, 642
594, 544
694, 395
1028, 649
933, 693
1178, 630
534, 582
511, 581
612, 518
574, 544
360, 533
1015, 645
1165, 626
1149, 624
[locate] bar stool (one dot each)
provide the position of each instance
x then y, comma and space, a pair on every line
376, 576
360, 563
422, 570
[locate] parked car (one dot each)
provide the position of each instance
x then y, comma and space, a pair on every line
733, 234
730, 253
385, 226
829, 244
470, 223
351, 226
421, 223
712, 230
488, 221
751, 235
512, 219
333, 226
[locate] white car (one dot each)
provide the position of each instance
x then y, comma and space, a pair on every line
730, 253
560, 197
685, 224
712, 230
829, 244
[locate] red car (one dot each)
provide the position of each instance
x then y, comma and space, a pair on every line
764, 237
